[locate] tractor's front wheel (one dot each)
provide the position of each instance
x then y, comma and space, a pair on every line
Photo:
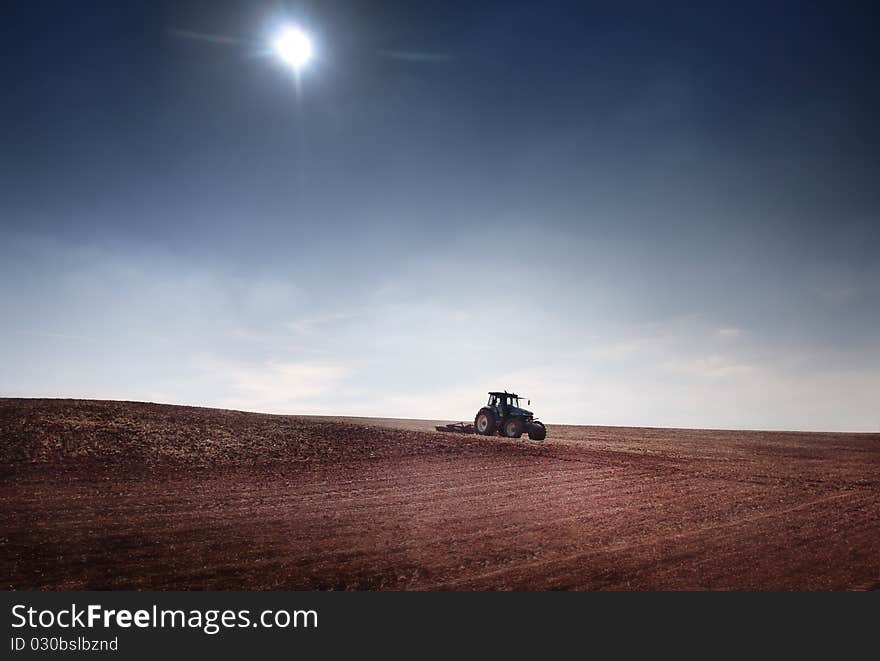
485, 422
537, 431
513, 428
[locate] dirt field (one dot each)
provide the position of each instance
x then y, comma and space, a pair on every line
115, 495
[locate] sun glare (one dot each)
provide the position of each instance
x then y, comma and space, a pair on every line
294, 47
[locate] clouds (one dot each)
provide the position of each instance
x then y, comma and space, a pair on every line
275, 387
413, 340
728, 334
315, 326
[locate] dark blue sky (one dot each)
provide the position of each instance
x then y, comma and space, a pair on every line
639, 213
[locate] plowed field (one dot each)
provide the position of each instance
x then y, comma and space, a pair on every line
123, 495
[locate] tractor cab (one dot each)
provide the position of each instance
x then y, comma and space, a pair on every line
508, 404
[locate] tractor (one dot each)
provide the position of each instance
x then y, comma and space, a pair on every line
503, 413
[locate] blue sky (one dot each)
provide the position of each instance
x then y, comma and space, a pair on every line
636, 216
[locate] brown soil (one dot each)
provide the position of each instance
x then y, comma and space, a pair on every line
123, 495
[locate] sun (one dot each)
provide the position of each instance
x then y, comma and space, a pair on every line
294, 47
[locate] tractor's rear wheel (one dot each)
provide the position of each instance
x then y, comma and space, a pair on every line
513, 428
485, 422
537, 431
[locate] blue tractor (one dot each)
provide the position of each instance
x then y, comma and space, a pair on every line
504, 413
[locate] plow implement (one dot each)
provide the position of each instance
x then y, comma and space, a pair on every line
458, 428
